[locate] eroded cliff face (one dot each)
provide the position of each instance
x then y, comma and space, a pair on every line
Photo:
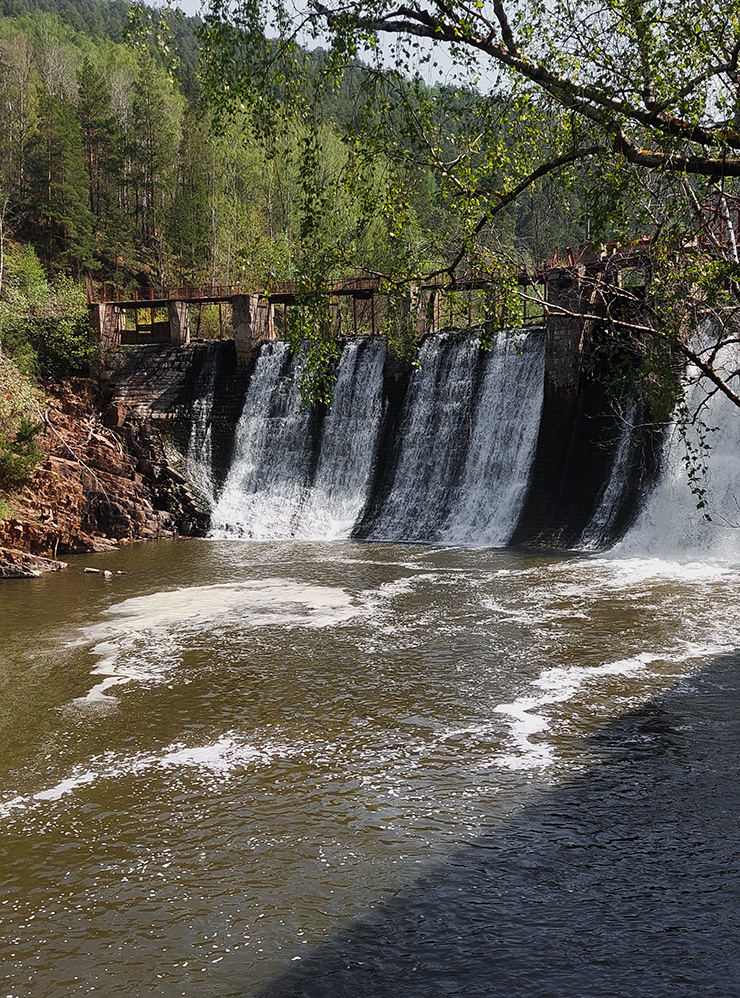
97, 486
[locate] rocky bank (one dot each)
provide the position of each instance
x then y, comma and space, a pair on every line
97, 486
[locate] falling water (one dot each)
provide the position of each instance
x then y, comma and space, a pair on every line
199, 455
271, 469
292, 477
672, 523
435, 432
468, 439
503, 434
602, 523
451, 464
348, 444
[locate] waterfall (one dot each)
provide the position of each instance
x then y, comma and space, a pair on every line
199, 453
348, 443
602, 526
436, 431
271, 467
294, 475
670, 524
468, 433
442, 454
503, 435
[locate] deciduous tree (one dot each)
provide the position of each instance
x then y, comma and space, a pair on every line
635, 104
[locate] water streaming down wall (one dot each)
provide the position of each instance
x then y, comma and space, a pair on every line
273, 453
604, 524
348, 445
503, 434
467, 437
435, 433
199, 454
445, 453
670, 524
296, 471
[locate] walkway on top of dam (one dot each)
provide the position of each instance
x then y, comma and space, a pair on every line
575, 283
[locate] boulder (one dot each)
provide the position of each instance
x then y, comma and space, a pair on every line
21, 565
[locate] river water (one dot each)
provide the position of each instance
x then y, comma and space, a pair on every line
370, 769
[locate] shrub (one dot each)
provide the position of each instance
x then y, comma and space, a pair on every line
20, 455
43, 324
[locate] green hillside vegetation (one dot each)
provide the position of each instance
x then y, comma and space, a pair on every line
21, 407
110, 167
121, 165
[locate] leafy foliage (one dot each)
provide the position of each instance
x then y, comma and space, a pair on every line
43, 323
616, 116
20, 454
312, 336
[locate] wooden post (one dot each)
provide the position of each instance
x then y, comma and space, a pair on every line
435, 311
108, 323
336, 316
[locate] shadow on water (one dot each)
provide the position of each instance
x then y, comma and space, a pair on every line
622, 882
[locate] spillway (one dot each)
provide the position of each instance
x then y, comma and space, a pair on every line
452, 451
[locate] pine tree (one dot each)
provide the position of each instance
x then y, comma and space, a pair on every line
17, 91
60, 220
97, 124
104, 141
156, 114
189, 229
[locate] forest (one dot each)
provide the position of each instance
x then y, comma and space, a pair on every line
120, 167
146, 148
113, 168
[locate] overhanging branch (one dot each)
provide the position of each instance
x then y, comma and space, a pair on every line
505, 199
599, 106
707, 370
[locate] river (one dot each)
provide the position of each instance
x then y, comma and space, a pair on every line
340, 768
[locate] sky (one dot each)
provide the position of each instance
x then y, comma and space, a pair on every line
444, 72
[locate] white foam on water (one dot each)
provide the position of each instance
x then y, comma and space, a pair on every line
529, 617
626, 571
168, 618
223, 757
220, 759
527, 716
699, 635
64, 787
